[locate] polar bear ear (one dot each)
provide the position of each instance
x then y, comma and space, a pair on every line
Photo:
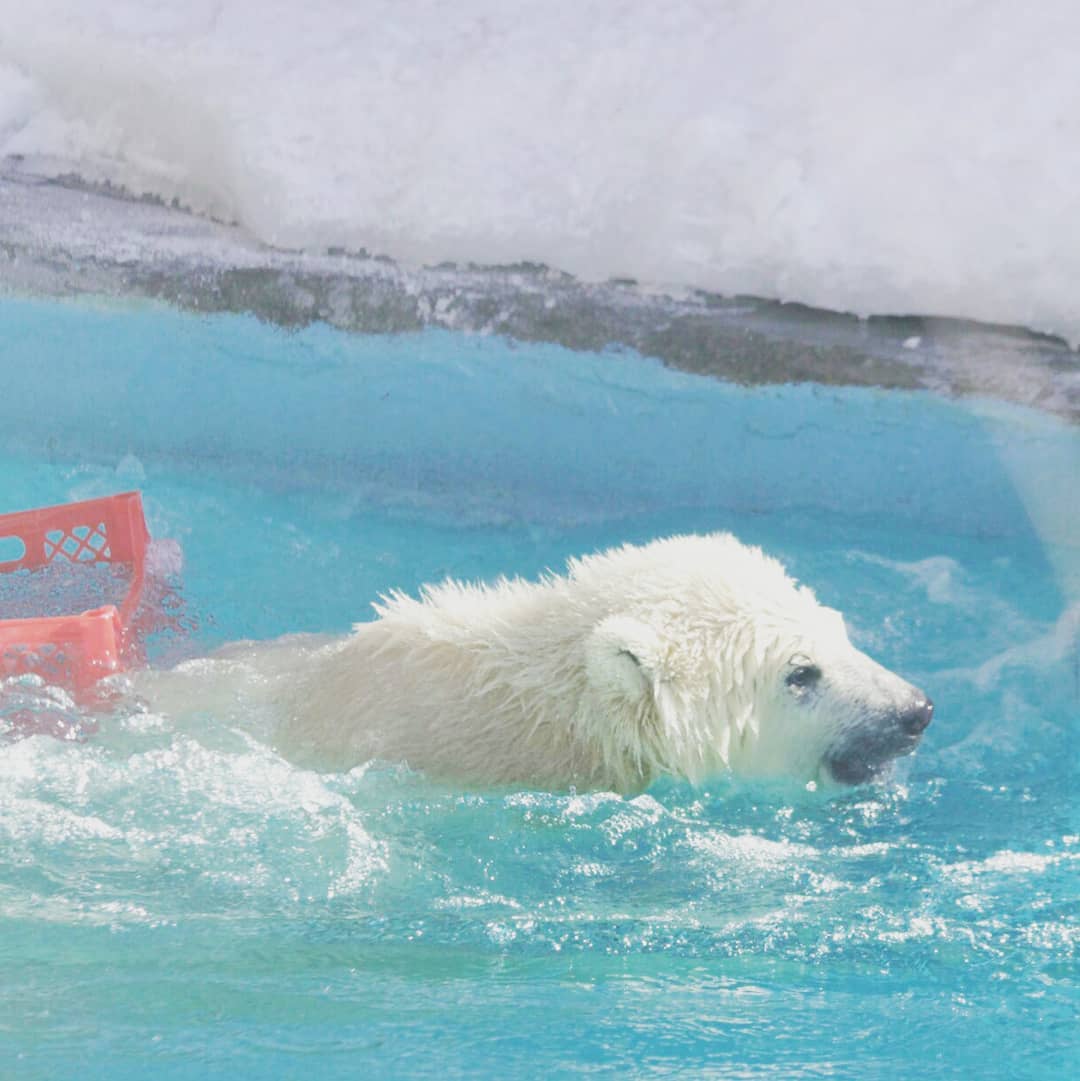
621, 656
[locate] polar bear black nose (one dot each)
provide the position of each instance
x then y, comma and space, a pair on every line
915, 719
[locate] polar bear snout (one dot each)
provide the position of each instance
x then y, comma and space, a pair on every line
916, 719
869, 747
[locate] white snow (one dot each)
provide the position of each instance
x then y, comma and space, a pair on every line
898, 156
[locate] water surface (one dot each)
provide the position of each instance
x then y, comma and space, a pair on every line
177, 899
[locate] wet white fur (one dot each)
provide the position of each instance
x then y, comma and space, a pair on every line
666, 659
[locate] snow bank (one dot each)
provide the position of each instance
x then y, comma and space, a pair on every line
902, 156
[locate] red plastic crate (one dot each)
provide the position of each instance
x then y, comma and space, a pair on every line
77, 650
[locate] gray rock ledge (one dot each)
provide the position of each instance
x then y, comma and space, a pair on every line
63, 238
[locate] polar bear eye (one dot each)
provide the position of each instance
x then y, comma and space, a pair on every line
803, 677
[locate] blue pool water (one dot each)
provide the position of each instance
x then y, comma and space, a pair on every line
177, 901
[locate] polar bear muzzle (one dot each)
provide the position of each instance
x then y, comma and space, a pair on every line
867, 749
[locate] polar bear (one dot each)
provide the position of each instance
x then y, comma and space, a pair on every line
686, 657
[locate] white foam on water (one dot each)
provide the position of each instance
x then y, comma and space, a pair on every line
899, 157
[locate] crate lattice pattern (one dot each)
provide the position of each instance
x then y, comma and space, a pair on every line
83, 544
47, 660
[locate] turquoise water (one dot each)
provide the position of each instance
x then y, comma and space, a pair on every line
177, 901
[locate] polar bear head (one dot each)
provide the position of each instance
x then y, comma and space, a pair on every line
712, 658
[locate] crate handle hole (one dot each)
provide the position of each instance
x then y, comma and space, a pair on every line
12, 550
